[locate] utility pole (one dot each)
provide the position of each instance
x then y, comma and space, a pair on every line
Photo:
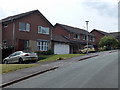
87, 35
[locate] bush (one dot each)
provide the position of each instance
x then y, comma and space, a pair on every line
49, 52
108, 41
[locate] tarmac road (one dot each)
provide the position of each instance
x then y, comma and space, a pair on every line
96, 72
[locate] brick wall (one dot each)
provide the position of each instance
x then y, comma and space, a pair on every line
12, 34
98, 36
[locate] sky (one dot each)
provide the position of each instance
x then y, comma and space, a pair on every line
101, 14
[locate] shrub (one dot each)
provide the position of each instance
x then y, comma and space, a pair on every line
49, 52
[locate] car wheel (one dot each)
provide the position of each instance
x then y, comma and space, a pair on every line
20, 60
5, 62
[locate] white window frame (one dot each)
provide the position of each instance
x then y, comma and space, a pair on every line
84, 37
93, 39
42, 45
78, 36
27, 26
43, 30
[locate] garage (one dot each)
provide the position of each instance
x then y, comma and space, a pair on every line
61, 48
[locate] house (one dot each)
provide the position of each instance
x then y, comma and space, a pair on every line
99, 34
30, 30
76, 38
116, 35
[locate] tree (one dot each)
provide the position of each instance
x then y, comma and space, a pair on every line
109, 42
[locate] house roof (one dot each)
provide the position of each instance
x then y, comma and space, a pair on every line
18, 16
63, 39
74, 29
115, 34
59, 38
102, 32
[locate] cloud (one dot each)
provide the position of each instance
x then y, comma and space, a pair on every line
104, 7
102, 14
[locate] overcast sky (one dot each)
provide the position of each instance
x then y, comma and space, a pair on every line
101, 14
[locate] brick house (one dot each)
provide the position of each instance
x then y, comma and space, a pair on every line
77, 38
116, 35
30, 30
99, 34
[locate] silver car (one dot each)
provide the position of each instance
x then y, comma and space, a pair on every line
20, 56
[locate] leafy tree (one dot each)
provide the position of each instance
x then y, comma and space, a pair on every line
109, 42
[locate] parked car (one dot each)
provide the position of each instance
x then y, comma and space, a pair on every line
20, 56
90, 48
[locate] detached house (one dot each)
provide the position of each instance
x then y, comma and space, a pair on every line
99, 34
72, 39
30, 30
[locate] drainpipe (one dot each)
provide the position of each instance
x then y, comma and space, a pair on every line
51, 38
14, 35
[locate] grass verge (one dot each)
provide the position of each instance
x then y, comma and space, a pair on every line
5, 68
56, 57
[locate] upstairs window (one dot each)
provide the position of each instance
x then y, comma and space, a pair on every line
5, 25
24, 26
76, 36
84, 37
43, 30
93, 39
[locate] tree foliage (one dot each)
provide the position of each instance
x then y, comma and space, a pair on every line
109, 42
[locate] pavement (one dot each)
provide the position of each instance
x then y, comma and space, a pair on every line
21, 74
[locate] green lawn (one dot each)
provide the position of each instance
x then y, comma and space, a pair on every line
4, 68
56, 57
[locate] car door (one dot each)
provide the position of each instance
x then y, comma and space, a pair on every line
11, 57
16, 57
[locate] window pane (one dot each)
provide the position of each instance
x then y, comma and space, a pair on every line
43, 30
22, 26
39, 29
47, 30
28, 27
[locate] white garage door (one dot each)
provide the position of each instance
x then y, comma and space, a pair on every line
61, 48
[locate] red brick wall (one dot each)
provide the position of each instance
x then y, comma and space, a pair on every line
61, 31
98, 36
58, 30
34, 20
7, 33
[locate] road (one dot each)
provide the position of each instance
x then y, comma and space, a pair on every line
96, 72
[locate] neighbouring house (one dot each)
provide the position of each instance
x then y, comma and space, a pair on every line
99, 34
72, 39
116, 35
30, 30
